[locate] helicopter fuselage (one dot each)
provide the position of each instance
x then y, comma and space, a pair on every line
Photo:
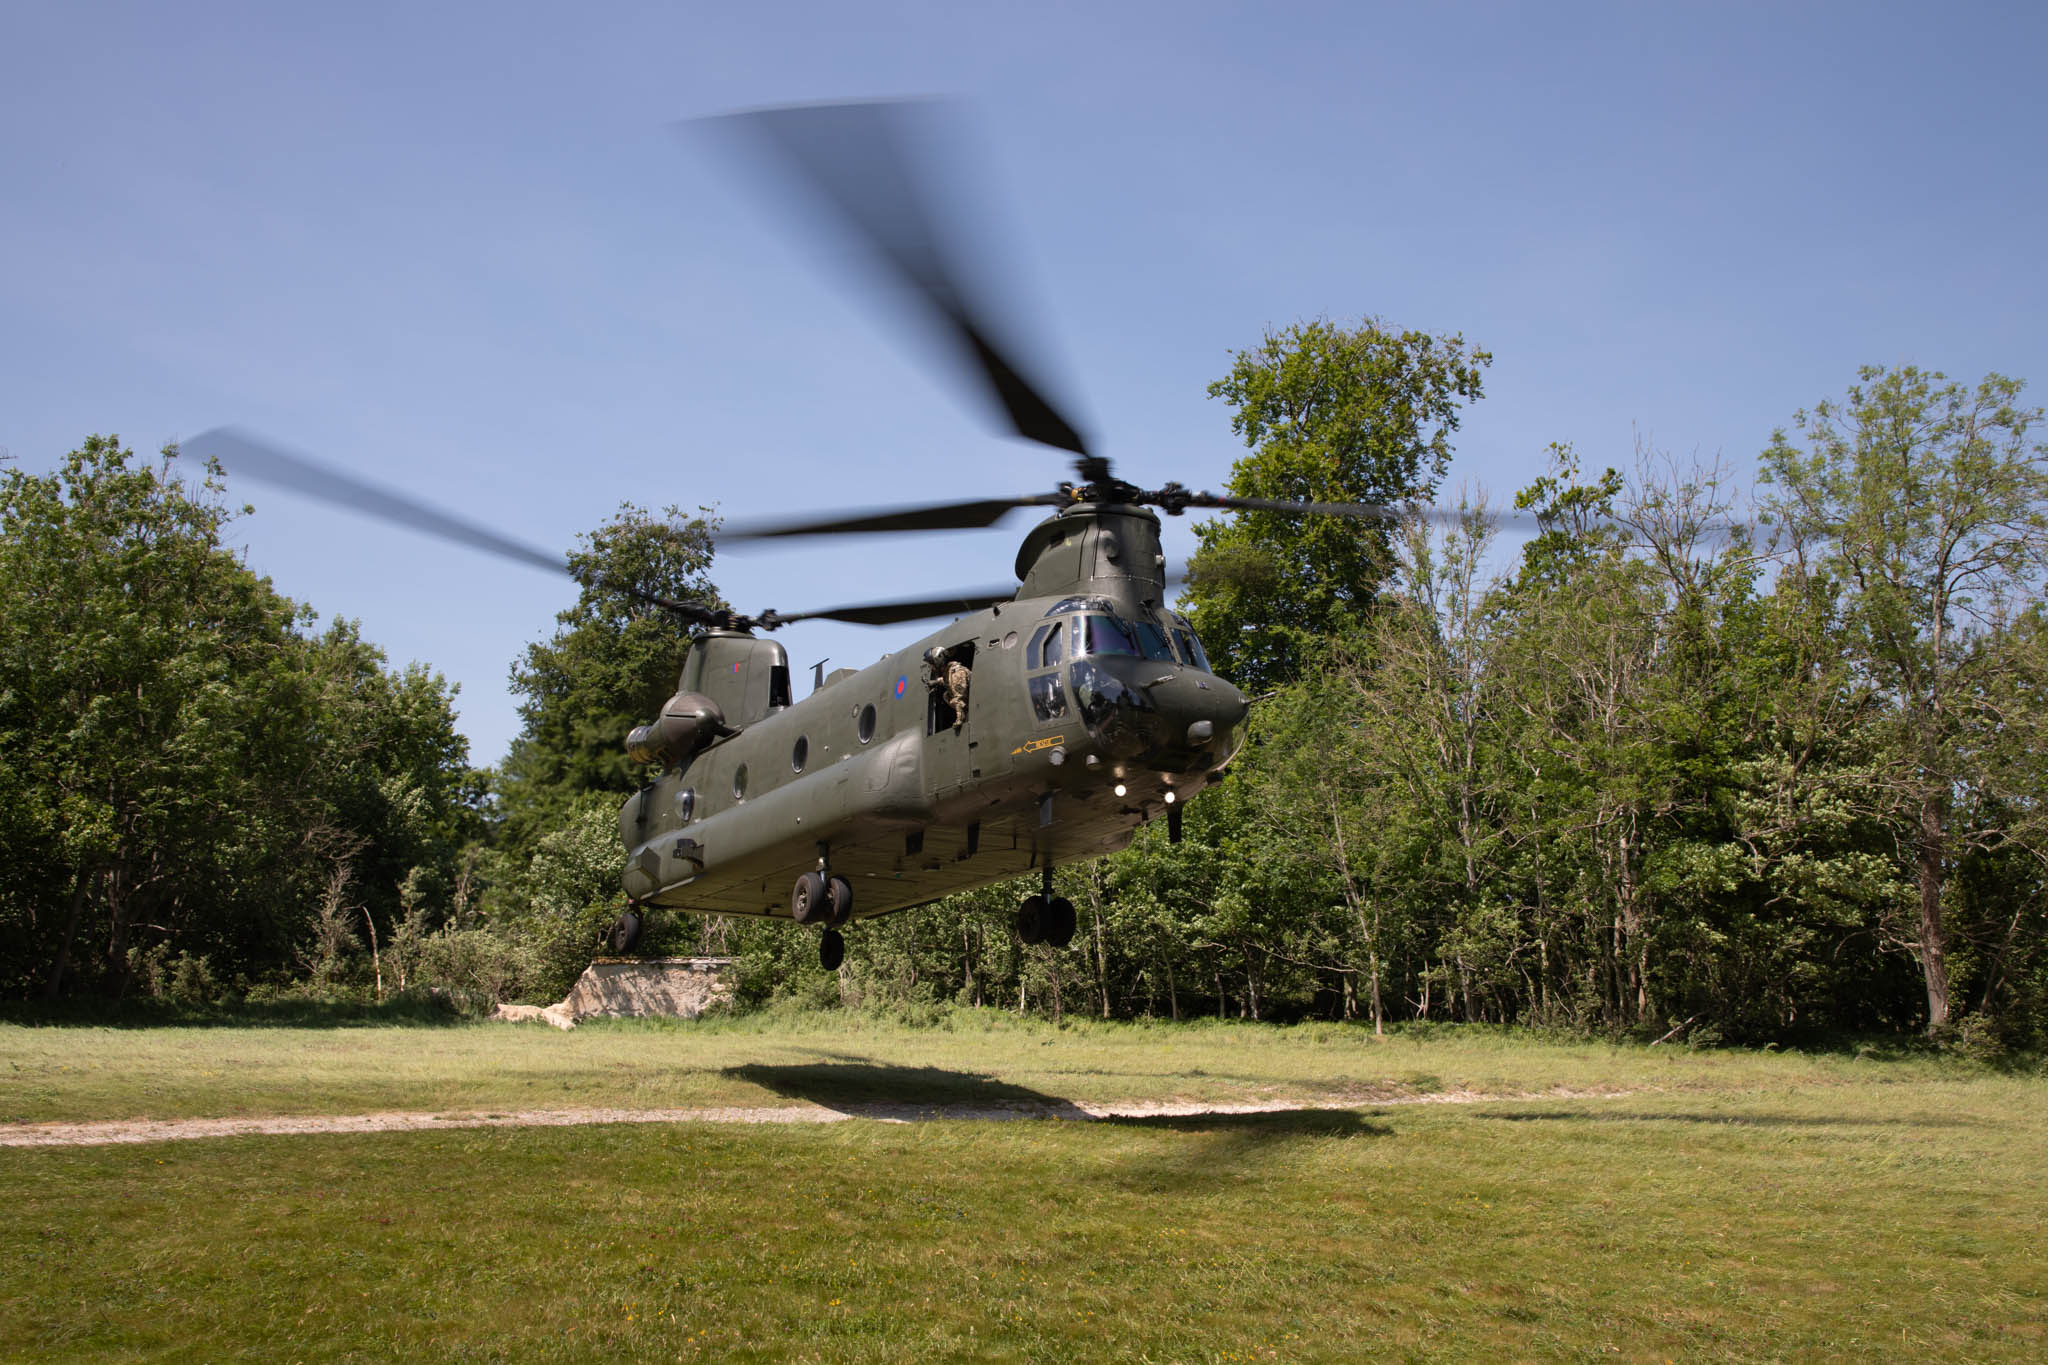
1088, 711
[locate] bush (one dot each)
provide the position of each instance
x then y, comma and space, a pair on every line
183, 979
557, 904
479, 963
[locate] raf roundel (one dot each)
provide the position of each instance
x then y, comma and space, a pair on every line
902, 685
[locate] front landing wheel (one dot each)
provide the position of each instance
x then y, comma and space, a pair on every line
831, 950
1059, 922
1031, 917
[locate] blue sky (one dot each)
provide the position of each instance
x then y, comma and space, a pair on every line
457, 249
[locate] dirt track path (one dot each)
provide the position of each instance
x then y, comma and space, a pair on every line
180, 1130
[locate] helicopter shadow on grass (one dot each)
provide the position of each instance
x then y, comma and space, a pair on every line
866, 1089
1217, 1143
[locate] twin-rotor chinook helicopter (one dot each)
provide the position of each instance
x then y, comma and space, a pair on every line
1040, 727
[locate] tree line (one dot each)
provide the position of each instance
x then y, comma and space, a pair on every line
1671, 751
1701, 757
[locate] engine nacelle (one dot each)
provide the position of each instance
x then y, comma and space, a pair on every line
688, 724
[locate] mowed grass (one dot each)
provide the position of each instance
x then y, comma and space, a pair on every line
1732, 1206
80, 1073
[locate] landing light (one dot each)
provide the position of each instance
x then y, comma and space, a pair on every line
1169, 797
1119, 789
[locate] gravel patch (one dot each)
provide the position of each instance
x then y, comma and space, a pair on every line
180, 1130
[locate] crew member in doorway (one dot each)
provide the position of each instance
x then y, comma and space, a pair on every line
957, 678
953, 676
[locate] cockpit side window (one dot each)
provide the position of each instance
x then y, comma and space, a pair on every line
1048, 697
1044, 649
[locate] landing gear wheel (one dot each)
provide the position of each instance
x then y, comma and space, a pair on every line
1031, 919
839, 898
810, 901
831, 950
625, 932
1059, 922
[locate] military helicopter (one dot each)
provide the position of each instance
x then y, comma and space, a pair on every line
1042, 725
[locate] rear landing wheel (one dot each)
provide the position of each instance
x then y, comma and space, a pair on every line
831, 950
1031, 919
1059, 922
809, 900
625, 932
839, 896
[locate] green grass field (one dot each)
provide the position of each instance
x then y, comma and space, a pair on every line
1648, 1204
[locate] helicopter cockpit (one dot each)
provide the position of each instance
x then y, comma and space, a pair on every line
1104, 629
1140, 681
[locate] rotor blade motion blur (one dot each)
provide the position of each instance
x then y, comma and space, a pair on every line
856, 163
1358, 511
947, 516
244, 453
890, 613
241, 452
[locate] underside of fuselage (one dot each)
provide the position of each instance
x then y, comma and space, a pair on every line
899, 870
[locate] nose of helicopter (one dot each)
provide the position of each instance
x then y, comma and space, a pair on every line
1209, 713
1161, 716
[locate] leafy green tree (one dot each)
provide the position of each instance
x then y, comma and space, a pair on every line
1321, 806
149, 700
1923, 504
556, 899
194, 778
1331, 414
610, 664
398, 803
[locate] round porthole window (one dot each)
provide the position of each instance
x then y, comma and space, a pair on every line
801, 754
739, 783
866, 730
686, 804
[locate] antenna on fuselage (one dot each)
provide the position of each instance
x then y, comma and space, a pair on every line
818, 673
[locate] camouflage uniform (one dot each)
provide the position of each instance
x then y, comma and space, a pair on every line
956, 690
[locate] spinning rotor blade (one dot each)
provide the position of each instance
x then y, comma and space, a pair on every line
856, 163
240, 452
1360, 511
890, 613
944, 516
243, 453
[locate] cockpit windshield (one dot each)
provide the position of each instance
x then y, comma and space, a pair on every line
1152, 640
1106, 635
1190, 646
1100, 634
